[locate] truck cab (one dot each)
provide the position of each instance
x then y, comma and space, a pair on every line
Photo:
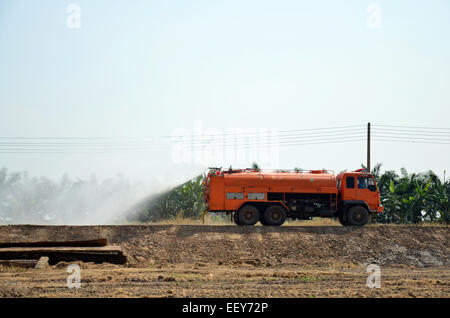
357, 189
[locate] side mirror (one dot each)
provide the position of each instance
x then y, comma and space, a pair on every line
372, 187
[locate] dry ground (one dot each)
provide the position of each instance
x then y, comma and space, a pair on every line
231, 261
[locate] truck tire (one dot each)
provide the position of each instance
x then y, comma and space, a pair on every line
235, 218
341, 219
248, 215
357, 216
274, 215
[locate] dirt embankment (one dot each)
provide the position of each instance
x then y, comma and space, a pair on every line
232, 261
418, 246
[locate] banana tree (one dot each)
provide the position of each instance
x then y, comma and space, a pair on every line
438, 201
406, 206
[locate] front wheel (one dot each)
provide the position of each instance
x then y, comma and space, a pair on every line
357, 216
341, 219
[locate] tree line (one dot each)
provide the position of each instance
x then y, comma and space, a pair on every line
25, 199
412, 197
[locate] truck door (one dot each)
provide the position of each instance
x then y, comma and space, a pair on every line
367, 191
349, 190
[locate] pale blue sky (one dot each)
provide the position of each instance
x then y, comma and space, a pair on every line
145, 68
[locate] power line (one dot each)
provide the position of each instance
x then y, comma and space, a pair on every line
412, 132
287, 134
243, 140
274, 138
300, 133
65, 151
412, 141
204, 145
235, 145
414, 127
412, 138
194, 147
326, 129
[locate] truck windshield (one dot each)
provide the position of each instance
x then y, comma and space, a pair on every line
366, 183
371, 185
362, 183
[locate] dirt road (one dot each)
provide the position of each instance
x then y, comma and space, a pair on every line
219, 261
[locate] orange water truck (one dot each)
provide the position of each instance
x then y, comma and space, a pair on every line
270, 197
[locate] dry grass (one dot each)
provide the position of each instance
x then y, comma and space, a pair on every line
210, 219
11, 269
313, 222
425, 224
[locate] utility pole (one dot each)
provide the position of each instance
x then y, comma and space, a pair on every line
368, 147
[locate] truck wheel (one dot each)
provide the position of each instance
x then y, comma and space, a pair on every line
341, 220
274, 215
235, 218
357, 216
248, 215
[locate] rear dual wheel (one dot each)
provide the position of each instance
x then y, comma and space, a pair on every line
247, 215
274, 215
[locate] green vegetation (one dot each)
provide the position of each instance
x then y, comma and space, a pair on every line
255, 166
412, 198
184, 201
